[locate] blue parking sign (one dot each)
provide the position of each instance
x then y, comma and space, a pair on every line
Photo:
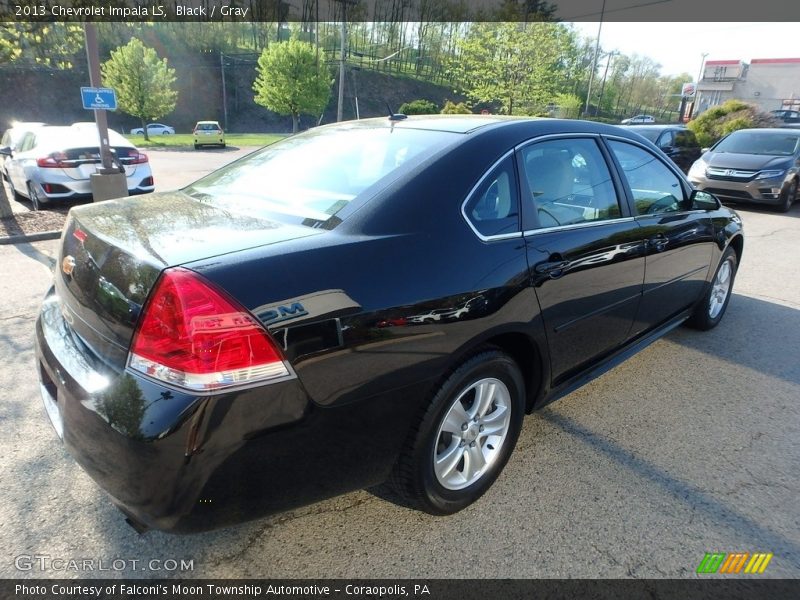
99, 98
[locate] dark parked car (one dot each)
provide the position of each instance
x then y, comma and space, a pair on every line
752, 165
787, 116
677, 142
222, 352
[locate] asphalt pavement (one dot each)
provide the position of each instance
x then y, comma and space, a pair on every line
692, 446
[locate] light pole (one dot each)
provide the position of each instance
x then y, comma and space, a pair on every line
696, 104
594, 59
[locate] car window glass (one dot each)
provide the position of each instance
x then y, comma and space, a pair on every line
665, 141
656, 189
28, 142
685, 139
493, 208
569, 182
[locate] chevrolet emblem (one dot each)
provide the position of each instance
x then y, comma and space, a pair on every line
68, 265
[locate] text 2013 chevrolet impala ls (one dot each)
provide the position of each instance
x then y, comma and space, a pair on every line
369, 301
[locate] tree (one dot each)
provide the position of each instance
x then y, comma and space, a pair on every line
291, 81
143, 82
517, 65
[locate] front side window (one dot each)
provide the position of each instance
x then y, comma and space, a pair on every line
493, 207
569, 183
656, 189
665, 141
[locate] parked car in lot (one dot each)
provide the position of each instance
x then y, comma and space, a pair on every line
752, 165
787, 116
639, 120
154, 129
12, 138
676, 141
208, 133
55, 163
249, 349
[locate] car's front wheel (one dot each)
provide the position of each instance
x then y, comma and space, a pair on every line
465, 436
788, 196
711, 309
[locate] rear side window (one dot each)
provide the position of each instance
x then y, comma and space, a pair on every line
685, 139
656, 189
493, 208
569, 183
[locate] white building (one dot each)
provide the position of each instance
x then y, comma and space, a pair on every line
769, 83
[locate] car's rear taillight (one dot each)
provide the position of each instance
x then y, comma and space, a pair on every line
194, 336
137, 158
54, 160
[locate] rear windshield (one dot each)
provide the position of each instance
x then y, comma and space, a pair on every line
207, 126
770, 144
650, 134
311, 177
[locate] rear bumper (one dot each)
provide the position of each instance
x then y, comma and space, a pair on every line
183, 463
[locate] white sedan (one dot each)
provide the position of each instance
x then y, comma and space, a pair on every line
639, 120
154, 129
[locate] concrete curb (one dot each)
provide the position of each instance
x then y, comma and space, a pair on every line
32, 237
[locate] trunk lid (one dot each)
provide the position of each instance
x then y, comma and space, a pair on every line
113, 252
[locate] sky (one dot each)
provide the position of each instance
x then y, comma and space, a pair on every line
679, 47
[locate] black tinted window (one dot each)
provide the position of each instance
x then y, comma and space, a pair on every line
758, 142
656, 189
685, 139
493, 209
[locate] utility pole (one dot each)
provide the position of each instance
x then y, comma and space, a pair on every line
594, 59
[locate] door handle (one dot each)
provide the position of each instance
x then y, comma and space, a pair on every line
552, 269
659, 242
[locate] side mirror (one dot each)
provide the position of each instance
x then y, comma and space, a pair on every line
6, 151
700, 200
704, 150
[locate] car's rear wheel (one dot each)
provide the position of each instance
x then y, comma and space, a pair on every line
465, 436
35, 197
711, 309
788, 197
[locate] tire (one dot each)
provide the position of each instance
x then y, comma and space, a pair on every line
37, 202
446, 433
788, 196
197, 146
712, 307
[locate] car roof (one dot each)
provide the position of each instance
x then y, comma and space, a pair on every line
211, 122
657, 127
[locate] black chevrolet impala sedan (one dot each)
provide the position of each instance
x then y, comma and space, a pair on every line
368, 302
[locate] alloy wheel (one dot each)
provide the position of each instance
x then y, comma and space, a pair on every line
472, 433
720, 289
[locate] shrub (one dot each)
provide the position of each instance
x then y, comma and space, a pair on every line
733, 115
419, 107
450, 108
569, 106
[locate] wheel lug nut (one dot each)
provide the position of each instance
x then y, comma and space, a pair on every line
482, 428
464, 427
472, 444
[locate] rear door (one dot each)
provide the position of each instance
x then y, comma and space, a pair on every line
584, 249
678, 240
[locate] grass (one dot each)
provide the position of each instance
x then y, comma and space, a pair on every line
180, 140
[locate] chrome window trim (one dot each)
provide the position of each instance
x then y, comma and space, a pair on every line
578, 225
499, 236
553, 136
